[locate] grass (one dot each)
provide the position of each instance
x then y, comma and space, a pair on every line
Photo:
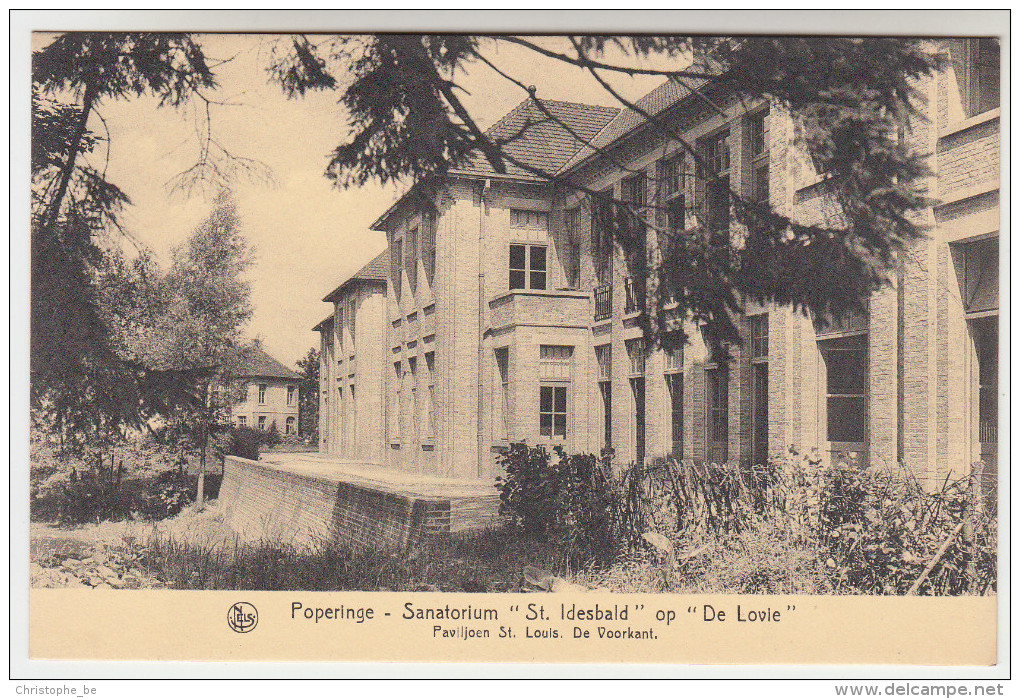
491, 560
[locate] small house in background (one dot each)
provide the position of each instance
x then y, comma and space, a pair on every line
268, 393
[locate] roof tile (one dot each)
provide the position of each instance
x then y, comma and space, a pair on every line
530, 136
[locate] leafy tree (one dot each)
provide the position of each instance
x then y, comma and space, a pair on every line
82, 379
308, 401
196, 328
79, 379
851, 99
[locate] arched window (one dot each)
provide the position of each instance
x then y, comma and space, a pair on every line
289, 426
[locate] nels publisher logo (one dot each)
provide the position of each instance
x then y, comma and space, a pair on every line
242, 617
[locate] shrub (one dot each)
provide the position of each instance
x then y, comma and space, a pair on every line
170, 493
877, 529
271, 437
244, 442
567, 499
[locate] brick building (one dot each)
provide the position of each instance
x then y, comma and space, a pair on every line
495, 315
267, 392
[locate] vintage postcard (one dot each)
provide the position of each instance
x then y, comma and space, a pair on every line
359, 342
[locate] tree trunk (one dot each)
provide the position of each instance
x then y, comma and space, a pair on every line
72, 155
200, 495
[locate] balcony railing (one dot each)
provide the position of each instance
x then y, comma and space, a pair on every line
988, 431
635, 295
603, 301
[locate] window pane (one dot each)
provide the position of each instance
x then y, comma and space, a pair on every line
517, 279
846, 371
761, 183
546, 399
846, 419
561, 399
517, 258
545, 425
560, 426
538, 280
537, 257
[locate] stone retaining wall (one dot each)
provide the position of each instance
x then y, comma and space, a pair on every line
264, 503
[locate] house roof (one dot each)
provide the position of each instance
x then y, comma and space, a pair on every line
377, 270
324, 323
256, 362
527, 134
654, 103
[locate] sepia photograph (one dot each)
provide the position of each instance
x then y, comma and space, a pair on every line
467, 312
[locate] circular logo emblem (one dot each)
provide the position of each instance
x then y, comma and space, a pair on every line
242, 617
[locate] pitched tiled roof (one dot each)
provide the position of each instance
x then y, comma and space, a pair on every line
530, 136
377, 270
254, 361
655, 102
324, 323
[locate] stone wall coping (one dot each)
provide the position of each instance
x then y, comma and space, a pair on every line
549, 293
370, 476
976, 120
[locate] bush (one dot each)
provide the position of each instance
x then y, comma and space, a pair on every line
244, 442
877, 529
170, 493
567, 499
871, 530
271, 437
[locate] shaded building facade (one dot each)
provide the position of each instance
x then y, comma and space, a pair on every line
497, 314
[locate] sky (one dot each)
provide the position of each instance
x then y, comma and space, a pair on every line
309, 235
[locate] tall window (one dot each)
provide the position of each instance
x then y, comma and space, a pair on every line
636, 355
352, 424
978, 74
675, 387
637, 388
572, 263
985, 332
412, 257
554, 370
671, 174
529, 232
242, 420
978, 271
288, 426
716, 183
602, 235
502, 402
413, 407
341, 418
758, 137
528, 267
291, 394
428, 246
759, 327
430, 404
846, 380
262, 422
406, 410
395, 401
552, 416
351, 313
262, 394
604, 357
397, 265
718, 380
634, 191
978, 264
